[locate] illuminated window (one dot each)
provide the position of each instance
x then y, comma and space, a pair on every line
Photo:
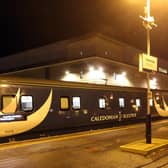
121, 102
138, 102
76, 102
151, 102
102, 103
9, 104
26, 103
64, 103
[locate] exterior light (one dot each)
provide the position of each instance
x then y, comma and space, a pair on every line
96, 74
124, 73
67, 72
121, 77
4, 85
154, 79
111, 97
153, 83
91, 68
71, 77
100, 69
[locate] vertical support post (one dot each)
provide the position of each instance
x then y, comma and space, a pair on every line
148, 22
148, 115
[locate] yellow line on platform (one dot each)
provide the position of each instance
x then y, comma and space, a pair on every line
16, 144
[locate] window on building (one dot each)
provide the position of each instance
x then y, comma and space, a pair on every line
9, 104
27, 103
102, 103
76, 102
64, 103
121, 102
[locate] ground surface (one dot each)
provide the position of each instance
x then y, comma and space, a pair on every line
91, 149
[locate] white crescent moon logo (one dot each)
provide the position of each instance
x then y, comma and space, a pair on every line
164, 104
16, 127
162, 112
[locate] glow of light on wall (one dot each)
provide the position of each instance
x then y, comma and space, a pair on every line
3, 85
67, 72
70, 77
91, 68
121, 77
153, 83
96, 74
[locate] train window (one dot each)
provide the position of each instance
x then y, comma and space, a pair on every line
121, 102
76, 102
26, 103
138, 102
151, 102
102, 103
9, 104
64, 103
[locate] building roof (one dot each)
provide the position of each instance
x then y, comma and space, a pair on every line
89, 45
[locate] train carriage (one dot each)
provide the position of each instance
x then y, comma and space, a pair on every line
42, 107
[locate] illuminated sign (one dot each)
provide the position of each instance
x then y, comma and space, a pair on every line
8, 118
162, 70
147, 62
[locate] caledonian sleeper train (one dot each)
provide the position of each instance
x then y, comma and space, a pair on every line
31, 106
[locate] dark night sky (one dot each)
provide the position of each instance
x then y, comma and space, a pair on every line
28, 24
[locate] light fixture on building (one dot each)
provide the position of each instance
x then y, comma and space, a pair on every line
96, 74
67, 72
120, 77
70, 77
153, 83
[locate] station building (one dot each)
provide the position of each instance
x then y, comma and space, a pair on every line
92, 58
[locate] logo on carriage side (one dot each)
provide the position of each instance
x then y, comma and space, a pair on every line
103, 117
118, 117
129, 115
32, 121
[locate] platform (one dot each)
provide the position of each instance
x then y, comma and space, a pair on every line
140, 147
89, 149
